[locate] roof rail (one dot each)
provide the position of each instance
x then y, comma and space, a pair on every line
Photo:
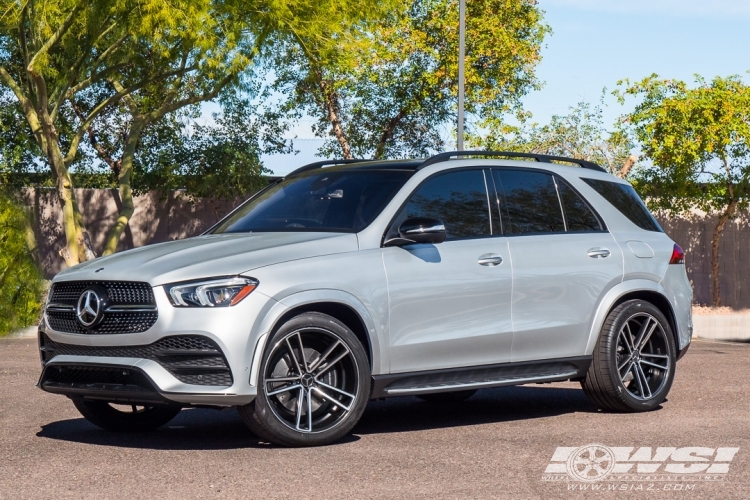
510, 154
321, 164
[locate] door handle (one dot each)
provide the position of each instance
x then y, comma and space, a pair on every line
599, 253
490, 259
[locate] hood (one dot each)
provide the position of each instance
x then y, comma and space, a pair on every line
207, 256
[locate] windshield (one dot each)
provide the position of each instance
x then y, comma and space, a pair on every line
323, 200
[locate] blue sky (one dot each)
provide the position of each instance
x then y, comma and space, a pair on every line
595, 43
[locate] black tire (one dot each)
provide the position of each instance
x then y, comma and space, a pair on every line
144, 418
639, 385
279, 418
447, 397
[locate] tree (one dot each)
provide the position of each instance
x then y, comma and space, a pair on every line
70, 62
56, 52
391, 87
580, 134
698, 140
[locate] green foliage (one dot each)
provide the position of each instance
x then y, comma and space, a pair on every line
698, 141
21, 285
392, 86
579, 134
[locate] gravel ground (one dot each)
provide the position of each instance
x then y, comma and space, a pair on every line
495, 445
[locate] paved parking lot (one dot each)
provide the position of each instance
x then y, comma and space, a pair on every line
497, 444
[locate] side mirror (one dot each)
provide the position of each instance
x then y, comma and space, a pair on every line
419, 230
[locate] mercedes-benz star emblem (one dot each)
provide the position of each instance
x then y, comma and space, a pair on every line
89, 308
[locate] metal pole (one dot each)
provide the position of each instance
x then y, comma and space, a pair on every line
461, 36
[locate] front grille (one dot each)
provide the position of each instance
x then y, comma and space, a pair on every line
192, 359
113, 323
120, 293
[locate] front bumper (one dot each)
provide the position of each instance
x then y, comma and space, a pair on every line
88, 364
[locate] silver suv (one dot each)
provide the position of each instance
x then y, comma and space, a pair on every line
353, 280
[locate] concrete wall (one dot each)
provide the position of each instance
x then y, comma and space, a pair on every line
157, 219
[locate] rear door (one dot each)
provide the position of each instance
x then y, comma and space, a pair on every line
450, 302
563, 261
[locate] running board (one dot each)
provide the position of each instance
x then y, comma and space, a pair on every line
478, 377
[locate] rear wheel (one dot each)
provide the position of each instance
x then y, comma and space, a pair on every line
125, 418
633, 362
447, 397
314, 383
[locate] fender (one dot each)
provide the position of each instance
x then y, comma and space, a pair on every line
262, 328
617, 291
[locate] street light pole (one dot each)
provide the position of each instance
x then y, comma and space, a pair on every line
461, 36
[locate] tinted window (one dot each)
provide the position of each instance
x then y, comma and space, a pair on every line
531, 202
578, 215
459, 199
322, 200
624, 198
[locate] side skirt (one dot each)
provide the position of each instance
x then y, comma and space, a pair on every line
478, 377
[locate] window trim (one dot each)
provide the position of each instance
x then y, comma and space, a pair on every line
555, 177
436, 174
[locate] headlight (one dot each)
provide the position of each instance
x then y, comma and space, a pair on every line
219, 292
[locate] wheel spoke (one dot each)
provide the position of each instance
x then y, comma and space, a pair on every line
294, 357
282, 379
337, 390
284, 389
322, 393
302, 350
649, 363
619, 368
324, 356
637, 377
300, 402
628, 337
648, 355
643, 343
331, 364
641, 333
623, 375
309, 410
645, 381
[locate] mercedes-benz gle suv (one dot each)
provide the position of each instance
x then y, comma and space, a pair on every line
348, 281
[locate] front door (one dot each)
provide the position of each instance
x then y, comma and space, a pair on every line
450, 303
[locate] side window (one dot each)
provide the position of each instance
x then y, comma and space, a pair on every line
624, 198
578, 214
531, 201
458, 198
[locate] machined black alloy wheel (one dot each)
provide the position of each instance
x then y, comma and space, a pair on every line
642, 360
633, 362
314, 385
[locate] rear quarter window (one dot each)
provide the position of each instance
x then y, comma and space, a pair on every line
624, 198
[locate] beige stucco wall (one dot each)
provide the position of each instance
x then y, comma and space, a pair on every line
157, 219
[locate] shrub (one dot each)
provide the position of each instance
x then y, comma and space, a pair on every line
21, 283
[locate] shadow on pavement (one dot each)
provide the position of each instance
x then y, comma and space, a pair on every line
205, 429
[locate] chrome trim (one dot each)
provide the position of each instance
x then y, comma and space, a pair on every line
422, 230
131, 308
489, 383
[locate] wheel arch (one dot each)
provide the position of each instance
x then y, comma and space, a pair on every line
645, 290
340, 305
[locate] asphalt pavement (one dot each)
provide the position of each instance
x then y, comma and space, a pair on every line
513, 442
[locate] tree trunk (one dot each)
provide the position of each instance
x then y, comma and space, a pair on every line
723, 219
625, 170
387, 134
332, 108
124, 188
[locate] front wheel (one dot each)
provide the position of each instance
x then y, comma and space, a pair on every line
314, 383
125, 417
634, 360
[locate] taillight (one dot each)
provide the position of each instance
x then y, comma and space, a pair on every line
678, 256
